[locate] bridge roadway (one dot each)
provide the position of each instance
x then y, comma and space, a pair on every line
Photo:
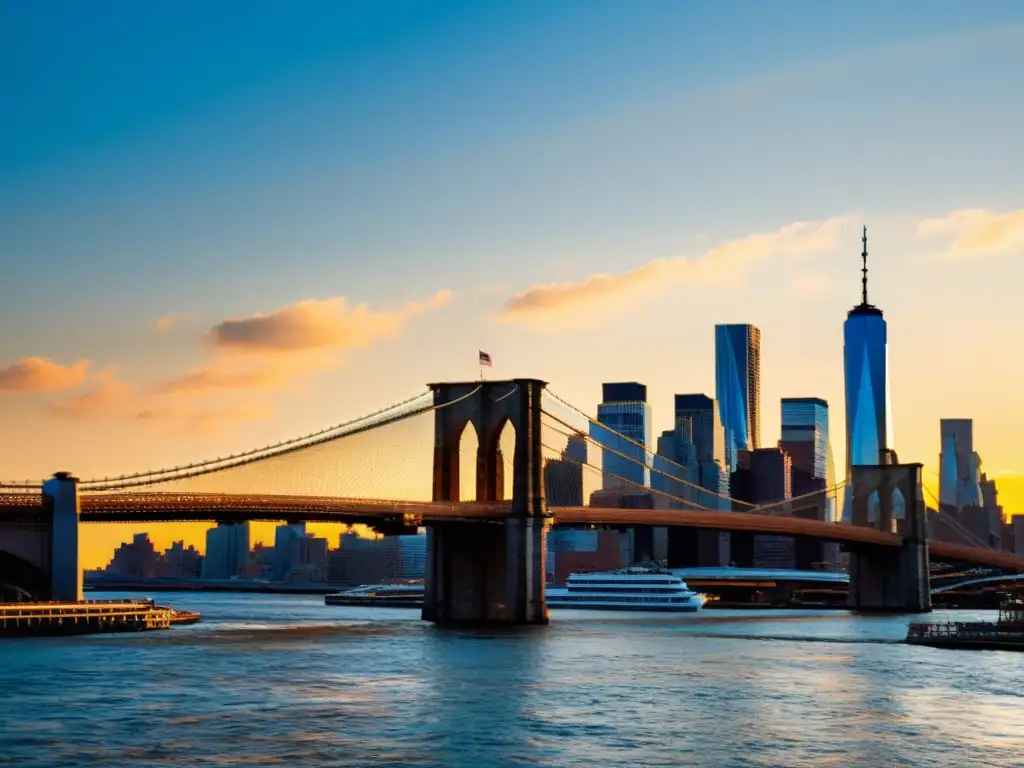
162, 507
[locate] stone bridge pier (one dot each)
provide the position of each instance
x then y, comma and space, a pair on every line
489, 571
890, 578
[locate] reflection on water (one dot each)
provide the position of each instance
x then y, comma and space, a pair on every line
286, 680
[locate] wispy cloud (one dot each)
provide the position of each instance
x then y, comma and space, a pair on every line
35, 375
267, 374
110, 398
116, 400
976, 232
726, 264
168, 321
317, 324
251, 354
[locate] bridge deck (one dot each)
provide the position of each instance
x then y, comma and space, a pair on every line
186, 507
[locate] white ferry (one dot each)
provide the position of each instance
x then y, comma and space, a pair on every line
628, 589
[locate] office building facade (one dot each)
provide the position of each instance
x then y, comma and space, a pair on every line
227, 551
959, 465
805, 434
738, 388
624, 432
771, 480
805, 437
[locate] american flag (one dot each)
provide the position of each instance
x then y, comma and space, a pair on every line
485, 359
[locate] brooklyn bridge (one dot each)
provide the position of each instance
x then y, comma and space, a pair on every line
403, 467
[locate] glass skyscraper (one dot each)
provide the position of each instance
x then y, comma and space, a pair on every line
805, 437
865, 363
805, 433
959, 465
702, 437
738, 388
626, 454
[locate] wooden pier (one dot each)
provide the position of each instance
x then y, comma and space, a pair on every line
87, 617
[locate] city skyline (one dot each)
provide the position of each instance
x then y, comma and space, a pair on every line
236, 259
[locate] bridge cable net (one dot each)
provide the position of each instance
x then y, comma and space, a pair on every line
384, 457
400, 410
957, 527
612, 461
567, 488
613, 452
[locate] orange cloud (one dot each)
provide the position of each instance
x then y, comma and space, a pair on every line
204, 422
977, 232
269, 373
212, 377
114, 399
111, 398
317, 324
34, 375
168, 321
726, 264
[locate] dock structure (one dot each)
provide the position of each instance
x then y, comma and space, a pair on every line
86, 617
1007, 633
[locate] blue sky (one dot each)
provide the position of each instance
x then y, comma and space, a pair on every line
221, 160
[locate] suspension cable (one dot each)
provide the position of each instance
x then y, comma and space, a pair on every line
954, 523
256, 451
633, 483
590, 440
282, 449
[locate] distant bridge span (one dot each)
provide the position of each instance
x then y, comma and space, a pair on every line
978, 582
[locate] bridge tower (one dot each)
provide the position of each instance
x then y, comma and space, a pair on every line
884, 578
489, 571
60, 497
39, 542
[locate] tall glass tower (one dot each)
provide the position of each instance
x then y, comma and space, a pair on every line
627, 439
805, 437
959, 465
738, 388
865, 364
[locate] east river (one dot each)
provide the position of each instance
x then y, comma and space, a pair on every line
286, 680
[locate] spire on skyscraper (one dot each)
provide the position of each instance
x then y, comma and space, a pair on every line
865, 307
864, 269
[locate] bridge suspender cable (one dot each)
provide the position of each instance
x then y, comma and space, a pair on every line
257, 451
956, 524
283, 448
606, 449
590, 439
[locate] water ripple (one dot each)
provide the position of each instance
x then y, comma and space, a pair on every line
288, 681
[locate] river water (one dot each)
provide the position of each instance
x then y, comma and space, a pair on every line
286, 680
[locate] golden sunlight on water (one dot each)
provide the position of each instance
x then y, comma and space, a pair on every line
287, 680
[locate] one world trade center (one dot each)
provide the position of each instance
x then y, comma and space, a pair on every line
868, 413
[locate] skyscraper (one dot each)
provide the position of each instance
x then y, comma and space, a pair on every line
959, 465
697, 419
805, 434
738, 388
227, 551
865, 363
672, 470
627, 454
701, 434
563, 478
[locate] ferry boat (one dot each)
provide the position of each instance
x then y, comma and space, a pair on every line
408, 595
1006, 634
627, 589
